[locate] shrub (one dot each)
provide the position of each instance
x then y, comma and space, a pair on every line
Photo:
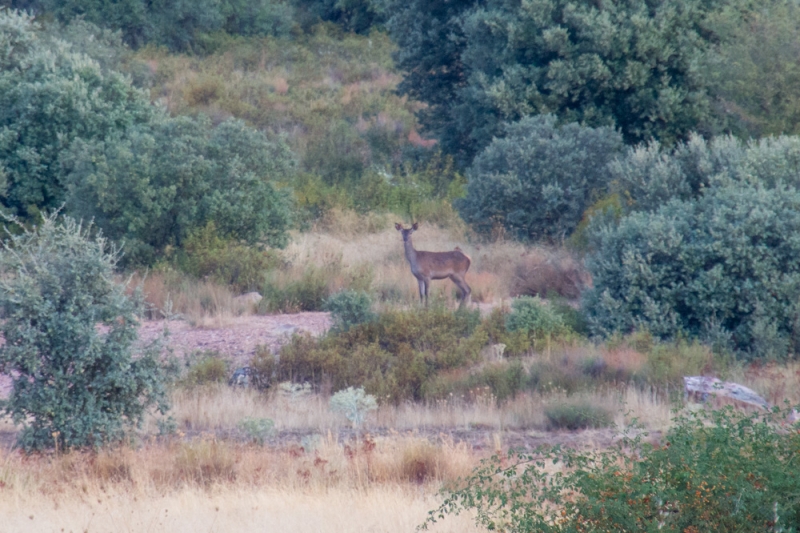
725, 264
573, 415
308, 293
354, 404
51, 97
533, 316
539, 179
205, 369
650, 175
207, 254
74, 384
393, 357
257, 430
157, 184
714, 471
349, 308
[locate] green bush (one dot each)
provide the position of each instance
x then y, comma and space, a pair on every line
532, 316
157, 184
573, 415
349, 308
257, 430
51, 97
538, 180
721, 471
650, 175
309, 293
74, 384
205, 369
393, 357
723, 266
207, 254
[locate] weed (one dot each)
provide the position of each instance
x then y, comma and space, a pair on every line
575, 415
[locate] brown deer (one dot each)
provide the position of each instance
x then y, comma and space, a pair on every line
427, 266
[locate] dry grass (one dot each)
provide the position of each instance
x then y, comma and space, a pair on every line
498, 270
201, 303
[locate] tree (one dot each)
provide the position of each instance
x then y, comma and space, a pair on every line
538, 180
626, 64
155, 185
70, 331
49, 97
754, 72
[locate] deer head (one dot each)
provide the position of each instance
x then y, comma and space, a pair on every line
406, 233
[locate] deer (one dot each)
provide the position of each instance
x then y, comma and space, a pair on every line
427, 266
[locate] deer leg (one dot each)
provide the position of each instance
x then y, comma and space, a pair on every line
423, 293
463, 287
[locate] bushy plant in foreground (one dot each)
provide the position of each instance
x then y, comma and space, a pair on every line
720, 471
70, 331
724, 267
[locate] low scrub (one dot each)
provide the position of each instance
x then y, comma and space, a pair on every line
393, 357
719, 470
574, 415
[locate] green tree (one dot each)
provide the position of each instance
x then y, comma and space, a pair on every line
155, 185
49, 97
70, 331
754, 71
629, 64
538, 180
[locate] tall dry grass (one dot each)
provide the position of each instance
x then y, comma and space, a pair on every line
498, 270
202, 303
210, 485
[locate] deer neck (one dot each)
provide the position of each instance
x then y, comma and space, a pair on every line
411, 253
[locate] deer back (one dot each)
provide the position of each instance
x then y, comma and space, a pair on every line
438, 265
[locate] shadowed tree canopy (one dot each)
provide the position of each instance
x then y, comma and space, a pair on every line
624, 63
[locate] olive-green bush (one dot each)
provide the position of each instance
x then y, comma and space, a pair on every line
722, 471
723, 267
538, 180
394, 358
74, 384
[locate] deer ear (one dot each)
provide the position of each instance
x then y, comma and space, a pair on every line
415, 226
397, 226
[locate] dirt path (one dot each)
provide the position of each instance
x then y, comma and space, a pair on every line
239, 338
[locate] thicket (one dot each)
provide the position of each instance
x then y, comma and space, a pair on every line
177, 25
631, 65
78, 134
723, 267
70, 333
539, 179
722, 470
155, 185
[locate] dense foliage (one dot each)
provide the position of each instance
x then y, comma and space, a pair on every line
633, 65
49, 97
74, 384
157, 184
538, 180
724, 267
650, 175
719, 471
178, 25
